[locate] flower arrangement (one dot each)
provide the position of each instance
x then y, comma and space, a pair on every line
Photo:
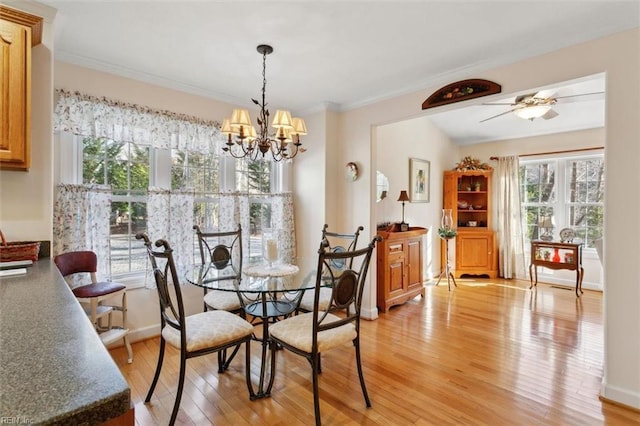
469, 163
447, 233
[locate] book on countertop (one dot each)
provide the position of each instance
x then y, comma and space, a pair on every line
13, 264
12, 272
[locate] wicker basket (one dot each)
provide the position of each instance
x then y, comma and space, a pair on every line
19, 250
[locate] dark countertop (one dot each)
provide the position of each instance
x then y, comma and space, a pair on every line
53, 367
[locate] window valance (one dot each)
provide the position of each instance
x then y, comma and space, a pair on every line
90, 116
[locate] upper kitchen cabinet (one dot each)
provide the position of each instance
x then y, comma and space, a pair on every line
19, 32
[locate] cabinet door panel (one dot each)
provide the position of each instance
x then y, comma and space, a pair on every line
414, 266
396, 276
474, 251
15, 45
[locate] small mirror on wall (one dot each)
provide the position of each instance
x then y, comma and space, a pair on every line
382, 186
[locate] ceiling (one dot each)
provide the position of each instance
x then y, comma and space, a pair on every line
340, 54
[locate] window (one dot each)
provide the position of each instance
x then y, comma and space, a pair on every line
254, 177
124, 166
131, 169
570, 190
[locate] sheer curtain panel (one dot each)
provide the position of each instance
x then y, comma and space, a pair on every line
510, 236
81, 221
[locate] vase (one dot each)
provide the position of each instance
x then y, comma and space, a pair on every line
446, 222
556, 255
270, 246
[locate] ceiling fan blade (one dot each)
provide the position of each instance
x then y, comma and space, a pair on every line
498, 115
550, 114
594, 96
545, 94
500, 103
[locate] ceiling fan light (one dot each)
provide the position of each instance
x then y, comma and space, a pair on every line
533, 111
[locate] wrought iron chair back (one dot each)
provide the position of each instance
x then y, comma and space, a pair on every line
221, 248
199, 334
331, 325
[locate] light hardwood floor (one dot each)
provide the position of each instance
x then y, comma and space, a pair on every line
488, 352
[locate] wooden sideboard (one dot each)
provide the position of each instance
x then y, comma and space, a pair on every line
399, 267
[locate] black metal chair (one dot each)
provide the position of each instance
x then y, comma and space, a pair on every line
224, 250
320, 330
337, 243
194, 335
97, 297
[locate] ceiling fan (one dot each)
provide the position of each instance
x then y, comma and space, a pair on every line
538, 105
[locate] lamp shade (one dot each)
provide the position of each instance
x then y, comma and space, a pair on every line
282, 119
227, 129
299, 127
240, 117
404, 196
546, 222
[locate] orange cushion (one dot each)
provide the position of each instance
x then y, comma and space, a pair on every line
97, 289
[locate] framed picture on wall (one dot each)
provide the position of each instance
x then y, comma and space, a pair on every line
419, 180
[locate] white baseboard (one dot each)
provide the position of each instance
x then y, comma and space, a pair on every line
621, 396
369, 314
138, 335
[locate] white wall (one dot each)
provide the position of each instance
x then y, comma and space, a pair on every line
394, 145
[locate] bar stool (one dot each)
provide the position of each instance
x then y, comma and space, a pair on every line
93, 297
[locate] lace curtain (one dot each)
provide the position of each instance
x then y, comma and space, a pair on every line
511, 262
171, 217
81, 221
83, 211
234, 209
94, 117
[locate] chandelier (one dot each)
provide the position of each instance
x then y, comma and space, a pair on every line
244, 142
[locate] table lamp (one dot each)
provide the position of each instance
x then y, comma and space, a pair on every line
403, 197
546, 223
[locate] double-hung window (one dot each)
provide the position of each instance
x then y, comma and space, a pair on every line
569, 191
131, 170
124, 166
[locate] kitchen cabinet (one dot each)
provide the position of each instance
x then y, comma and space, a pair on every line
399, 267
19, 32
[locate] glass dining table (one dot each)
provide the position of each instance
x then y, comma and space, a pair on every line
266, 292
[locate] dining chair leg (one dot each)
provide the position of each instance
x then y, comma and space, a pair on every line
224, 361
356, 343
157, 375
316, 391
176, 404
